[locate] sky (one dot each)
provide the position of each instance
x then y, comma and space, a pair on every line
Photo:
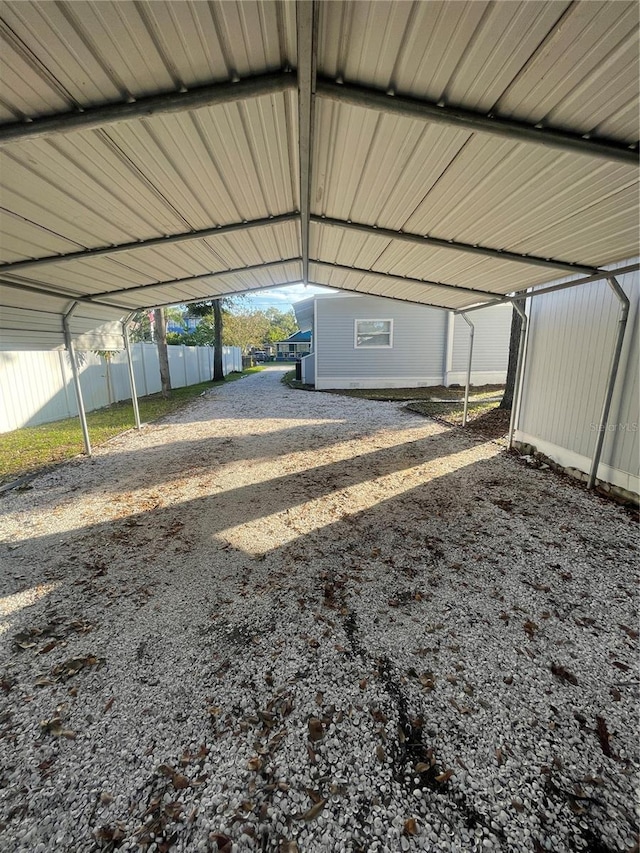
283, 297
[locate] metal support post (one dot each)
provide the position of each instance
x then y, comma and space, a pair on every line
472, 331
132, 378
76, 379
613, 373
517, 392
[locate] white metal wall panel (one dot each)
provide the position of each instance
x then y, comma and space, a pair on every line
571, 341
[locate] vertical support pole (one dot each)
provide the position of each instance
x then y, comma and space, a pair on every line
515, 406
611, 382
76, 379
472, 330
132, 378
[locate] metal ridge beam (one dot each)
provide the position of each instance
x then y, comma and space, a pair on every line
306, 20
460, 117
106, 294
168, 102
154, 242
421, 240
397, 277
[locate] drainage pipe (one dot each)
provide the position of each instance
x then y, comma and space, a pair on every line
76, 378
472, 331
613, 373
515, 405
132, 378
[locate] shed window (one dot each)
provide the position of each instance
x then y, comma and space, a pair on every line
374, 333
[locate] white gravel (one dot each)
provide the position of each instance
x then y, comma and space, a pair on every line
304, 619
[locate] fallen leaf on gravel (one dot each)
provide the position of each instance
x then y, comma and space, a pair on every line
179, 781
603, 736
316, 729
288, 847
508, 679
410, 827
73, 666
107, 707
619, 665
499, 757
530, 628
630, 632
43, 681
255, 764
517, 806
444, 777
363, 684
313, 812
381, 755
222, 842
422, 767
110, 834
48, 647
563, 674
615, 694
314, 796
106, 798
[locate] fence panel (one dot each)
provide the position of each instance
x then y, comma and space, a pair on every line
37, 387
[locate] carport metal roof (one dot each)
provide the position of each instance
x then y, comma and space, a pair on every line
445, 153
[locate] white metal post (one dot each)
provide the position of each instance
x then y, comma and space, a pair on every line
515, 405
472, 331
611, 382
132, 378
76, 379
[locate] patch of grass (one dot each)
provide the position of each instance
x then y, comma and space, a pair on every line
453, 411
30, 449
432, 393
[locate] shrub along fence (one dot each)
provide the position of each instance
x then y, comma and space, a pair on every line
37, 387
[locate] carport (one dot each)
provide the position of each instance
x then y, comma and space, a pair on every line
453, 155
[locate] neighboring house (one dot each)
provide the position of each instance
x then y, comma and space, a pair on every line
371, 342
295, 346
569, 353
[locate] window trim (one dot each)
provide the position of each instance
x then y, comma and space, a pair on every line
388, 320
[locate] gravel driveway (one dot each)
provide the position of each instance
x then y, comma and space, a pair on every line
287, 621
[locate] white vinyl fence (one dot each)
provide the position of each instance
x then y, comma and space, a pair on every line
37, 387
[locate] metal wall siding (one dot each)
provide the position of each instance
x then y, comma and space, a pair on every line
418, 339
570, 346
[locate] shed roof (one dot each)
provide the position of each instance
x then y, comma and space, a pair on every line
442, 153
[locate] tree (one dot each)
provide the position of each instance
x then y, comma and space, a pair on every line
282, 324
218, 368
163, 354
514, 346
245, 329
211, 313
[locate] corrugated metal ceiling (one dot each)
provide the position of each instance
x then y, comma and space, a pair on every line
568, 66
